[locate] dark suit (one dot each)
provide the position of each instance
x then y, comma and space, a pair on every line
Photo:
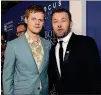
81, 67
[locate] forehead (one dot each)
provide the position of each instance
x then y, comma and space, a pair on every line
59, 15
20, 28
36, 14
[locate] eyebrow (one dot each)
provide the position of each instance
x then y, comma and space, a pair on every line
54, 19
64, 18
36, 18
61, 18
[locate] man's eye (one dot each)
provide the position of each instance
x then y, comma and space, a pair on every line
63, 20
33, 19
55, 21
41, 20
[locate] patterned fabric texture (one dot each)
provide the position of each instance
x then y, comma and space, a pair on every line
37, 50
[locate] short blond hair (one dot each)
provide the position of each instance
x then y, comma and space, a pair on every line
35, 8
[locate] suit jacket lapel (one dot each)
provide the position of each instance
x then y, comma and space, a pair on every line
69, 47
45, 49
28, 53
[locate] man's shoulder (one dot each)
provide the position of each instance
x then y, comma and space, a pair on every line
85, 38
45, 40
86, 41
15, 41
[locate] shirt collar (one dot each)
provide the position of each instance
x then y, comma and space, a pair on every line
29, 38
66, 39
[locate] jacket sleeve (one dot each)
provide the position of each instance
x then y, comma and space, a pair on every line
8, 70
94, 67
51, 70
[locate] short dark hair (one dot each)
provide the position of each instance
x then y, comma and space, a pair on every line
24, 24
35, 8
59, 10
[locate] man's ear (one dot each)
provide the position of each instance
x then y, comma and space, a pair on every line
71, 24
25, 20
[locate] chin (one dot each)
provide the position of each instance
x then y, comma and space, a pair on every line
35, 32
60, 36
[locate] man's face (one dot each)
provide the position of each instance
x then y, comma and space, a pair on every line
61, 24
20, 30
35, 22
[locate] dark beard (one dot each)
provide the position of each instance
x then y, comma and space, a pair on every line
69, 29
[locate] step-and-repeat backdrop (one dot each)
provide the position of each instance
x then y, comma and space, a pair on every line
16, 15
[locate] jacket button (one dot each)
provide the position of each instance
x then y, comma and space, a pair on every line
38, 88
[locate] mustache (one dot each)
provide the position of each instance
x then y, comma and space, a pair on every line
59, 29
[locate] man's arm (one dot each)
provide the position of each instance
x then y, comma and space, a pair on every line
8, 70
94, 67
51, 70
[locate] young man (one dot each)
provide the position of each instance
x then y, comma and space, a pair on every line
26, 58
20, 29
74, 66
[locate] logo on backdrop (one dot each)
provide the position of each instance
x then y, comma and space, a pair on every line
48, 9
9, 23
8, 26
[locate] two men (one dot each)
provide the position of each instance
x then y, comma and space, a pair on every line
26, 58
74, 66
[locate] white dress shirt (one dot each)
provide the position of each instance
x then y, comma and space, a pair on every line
64, 45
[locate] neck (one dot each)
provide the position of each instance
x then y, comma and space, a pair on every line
60, 38
34, 36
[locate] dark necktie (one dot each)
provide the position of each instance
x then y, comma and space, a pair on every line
61, 55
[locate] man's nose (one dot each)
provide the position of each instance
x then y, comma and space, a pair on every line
59, 25
37, 22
